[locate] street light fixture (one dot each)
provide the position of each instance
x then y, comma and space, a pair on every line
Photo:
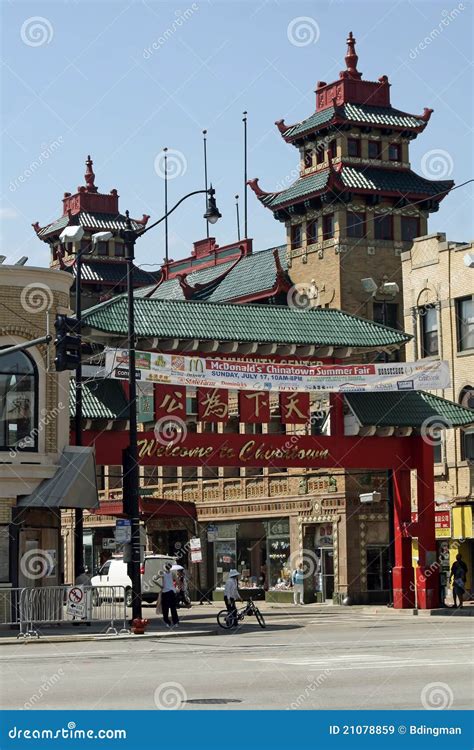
130, 235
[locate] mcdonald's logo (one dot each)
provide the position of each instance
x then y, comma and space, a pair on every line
195, 364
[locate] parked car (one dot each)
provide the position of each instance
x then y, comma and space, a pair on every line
114, 572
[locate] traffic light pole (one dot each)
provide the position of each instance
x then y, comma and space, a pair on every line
129, 236
78, 514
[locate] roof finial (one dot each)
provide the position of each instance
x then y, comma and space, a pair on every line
351, 58
90, 176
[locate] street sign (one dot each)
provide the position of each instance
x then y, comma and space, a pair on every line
212, 532
195, 548
123, 531
108, 543
76, 603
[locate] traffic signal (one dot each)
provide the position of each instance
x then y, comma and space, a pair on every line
67, 343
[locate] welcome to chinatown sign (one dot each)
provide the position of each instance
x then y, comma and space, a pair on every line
209, 372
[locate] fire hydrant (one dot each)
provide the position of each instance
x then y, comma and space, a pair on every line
139, 625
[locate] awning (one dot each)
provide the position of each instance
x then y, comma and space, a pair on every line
74, 484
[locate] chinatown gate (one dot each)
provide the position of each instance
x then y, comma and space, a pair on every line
205, 330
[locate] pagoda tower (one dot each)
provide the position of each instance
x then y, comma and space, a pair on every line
356, 205
104, 267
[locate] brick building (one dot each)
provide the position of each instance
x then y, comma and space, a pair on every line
39, 472
438, 283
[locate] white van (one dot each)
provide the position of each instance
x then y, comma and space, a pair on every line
114, 572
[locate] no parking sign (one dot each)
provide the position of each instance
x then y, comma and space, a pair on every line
76, 603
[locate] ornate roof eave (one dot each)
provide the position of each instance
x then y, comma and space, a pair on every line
48, 236
339, 119
333, 184
190, 290
282, 285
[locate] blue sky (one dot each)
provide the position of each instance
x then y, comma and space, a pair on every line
121, 80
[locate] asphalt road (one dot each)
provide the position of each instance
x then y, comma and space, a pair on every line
309, 660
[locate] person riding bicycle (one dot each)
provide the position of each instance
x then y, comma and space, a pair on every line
231, 593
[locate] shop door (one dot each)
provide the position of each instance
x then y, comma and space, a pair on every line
327, 557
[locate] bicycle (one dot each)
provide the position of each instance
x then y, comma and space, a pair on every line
227, 620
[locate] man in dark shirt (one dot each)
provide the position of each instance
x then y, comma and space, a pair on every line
458, 575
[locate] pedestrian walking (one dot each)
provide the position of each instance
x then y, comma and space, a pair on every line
458, 575
167, 598
231, 593
297, 579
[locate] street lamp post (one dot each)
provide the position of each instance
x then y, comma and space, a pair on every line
130, 236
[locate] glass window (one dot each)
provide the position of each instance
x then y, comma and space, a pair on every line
395, 152
320, 154
377, 569
429, 330
308, 158
328, 226
374, 151
353, 147
119, 250
278, 571
465, 323
466, 399
86, 246
383, 227
225, 553
105, 568
333, 149
410, 228
18, 403
355, 224
312, 232
295, 236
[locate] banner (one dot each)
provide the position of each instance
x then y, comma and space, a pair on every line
253, 375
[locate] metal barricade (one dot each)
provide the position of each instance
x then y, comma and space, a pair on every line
10, 606
51, 605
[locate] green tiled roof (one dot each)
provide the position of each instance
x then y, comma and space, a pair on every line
171, 289
246, 323
410, 409
253, 274
112, 272
90, 220
404, 182
363, 113
101, 399
302, 187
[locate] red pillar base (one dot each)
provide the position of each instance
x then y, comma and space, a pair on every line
427, 588
403, 588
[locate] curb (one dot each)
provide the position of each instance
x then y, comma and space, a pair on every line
440, 612
98, 637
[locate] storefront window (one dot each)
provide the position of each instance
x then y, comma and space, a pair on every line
18, 385
259, 550
278, 571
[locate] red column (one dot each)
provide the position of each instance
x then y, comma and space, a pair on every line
402, 574
427, 573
